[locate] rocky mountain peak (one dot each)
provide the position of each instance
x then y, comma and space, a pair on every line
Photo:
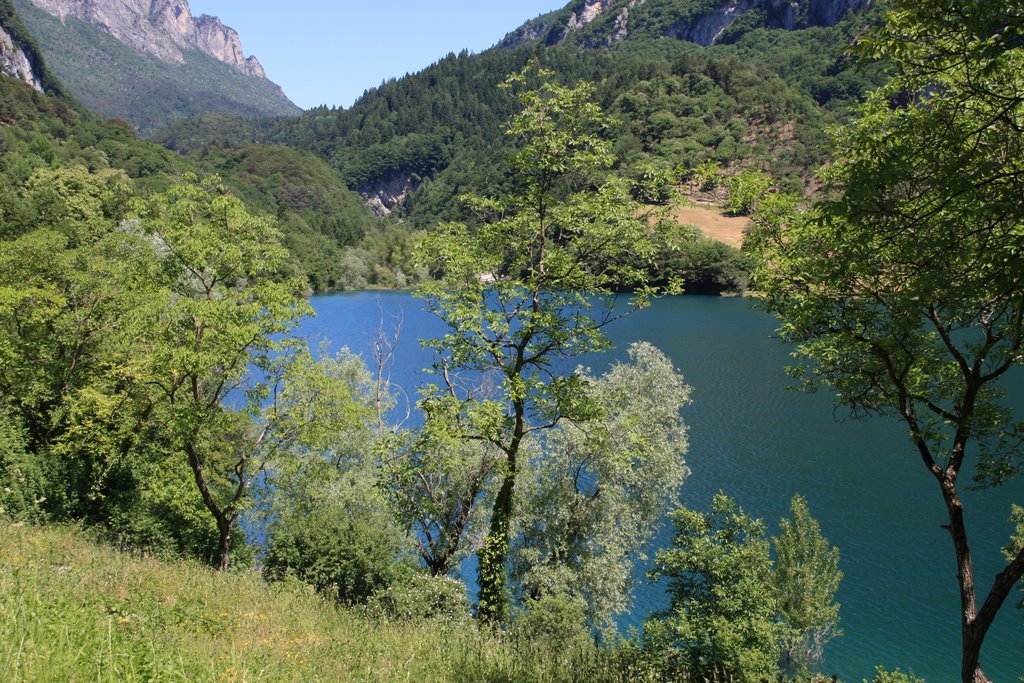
165, 29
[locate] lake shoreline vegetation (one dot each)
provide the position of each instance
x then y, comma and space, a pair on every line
190, 491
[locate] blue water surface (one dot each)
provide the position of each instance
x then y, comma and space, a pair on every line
758, 441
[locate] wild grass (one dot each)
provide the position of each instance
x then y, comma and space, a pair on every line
75, 610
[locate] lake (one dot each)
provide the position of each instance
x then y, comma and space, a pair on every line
758, 441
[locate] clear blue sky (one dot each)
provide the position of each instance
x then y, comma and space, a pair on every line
324, 52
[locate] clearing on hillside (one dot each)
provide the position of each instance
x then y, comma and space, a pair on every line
712, 223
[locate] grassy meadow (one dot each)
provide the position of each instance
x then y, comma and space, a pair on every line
75, 610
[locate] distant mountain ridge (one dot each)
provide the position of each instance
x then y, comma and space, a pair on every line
603, 23
150, 62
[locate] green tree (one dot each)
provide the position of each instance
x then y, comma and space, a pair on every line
807, 577
592, 498
746, 189
722, 622
528, 285
220, 319
905, 290
435, 483
329, 523
897, 676
67, 315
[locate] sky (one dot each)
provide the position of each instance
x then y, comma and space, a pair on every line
323, 52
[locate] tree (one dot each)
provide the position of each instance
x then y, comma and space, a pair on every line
746, 189
904, 291
435, 483
219, 321
68, 301
593, 497
806, 580
722, 622
529, 285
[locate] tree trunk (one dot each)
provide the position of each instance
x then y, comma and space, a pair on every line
224, 543
972, 630
224, 518
492, 556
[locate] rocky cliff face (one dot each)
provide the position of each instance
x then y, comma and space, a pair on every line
586, 14
784, 14
15, 62
165, 29
598, 23
387, 194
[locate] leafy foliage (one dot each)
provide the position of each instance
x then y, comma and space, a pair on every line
328, 523
517, 290
897, 676
325, 225
806, 580
722, 619
903, 291
592, 499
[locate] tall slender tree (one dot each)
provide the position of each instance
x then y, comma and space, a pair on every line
529, 285
905, 290
216, 324
807, 577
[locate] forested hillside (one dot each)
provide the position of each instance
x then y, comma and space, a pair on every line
603, 23
53, 144
414, 144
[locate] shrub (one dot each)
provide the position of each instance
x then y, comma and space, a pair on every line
344, 549
422, 596
897, 676
555, 622
22, 481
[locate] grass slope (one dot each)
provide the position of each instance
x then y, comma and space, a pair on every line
73, 610
114, 80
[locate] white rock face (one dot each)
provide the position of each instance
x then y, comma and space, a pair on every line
215, 39
162, 28
389, 193
591, 10
14, 62
622, 23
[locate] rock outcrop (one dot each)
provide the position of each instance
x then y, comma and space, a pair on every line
610, 21
16, 63
165, 29
783, 14
586, 14
388, 193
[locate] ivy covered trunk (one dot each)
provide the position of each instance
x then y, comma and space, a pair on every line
493, 555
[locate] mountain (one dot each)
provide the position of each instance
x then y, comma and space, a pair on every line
150, 62
162, 28
45, 131
603, 23
761, 99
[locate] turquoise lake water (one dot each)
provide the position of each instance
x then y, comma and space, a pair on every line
756, 440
